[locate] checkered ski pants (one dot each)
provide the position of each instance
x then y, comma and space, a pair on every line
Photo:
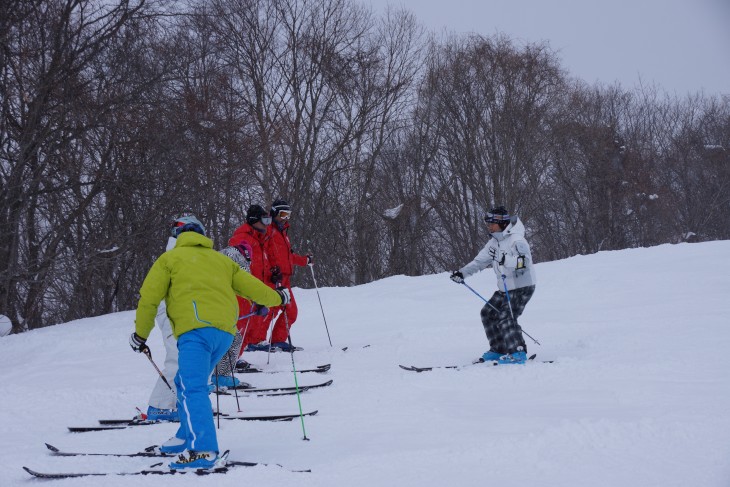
228, 362
503, 332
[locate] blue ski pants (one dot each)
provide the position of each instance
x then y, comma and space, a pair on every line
199, 351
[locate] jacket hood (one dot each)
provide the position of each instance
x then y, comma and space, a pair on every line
246, 229
515, 227
193, 239
171, 242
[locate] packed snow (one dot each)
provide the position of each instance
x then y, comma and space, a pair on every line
638, 394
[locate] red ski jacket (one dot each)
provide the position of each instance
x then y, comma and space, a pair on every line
278, 248
260, 265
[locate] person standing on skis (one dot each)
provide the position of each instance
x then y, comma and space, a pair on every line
199, 286
224, 378
282, 260
253, 234
508, 254
162, 405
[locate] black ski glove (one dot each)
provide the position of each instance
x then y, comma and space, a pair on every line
276, 276
457, 277
138, 343
285, 296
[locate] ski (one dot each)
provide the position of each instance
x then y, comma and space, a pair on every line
283, 389
131, 422
120, 424
253, 370
281, 417
157, 469
244, 393
86, 429
274, 350
135, 422
480, 360
150, 451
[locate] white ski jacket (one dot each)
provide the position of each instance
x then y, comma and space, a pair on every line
511, 245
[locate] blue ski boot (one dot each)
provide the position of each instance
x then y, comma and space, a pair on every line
157, 414
284, 347
258, 347
513, 358
491, 356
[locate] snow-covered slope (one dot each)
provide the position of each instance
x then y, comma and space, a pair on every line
638, 396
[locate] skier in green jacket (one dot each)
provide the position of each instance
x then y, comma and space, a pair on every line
199, 286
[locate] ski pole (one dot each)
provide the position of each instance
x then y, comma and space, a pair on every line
233, 381
217, 399
311, 268
247, 316
509, 304
495, 309
233, 350
269, 330
147, 352
294, 368
243, 338
482, 297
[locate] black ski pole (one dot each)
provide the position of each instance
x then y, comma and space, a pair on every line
233, 381
217, 399
147, 352
311, 268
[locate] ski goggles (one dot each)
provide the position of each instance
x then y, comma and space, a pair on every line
496, 218
284, 214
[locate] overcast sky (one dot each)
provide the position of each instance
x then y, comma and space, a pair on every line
681, 45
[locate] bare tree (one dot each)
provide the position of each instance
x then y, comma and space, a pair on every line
47, 181
490, 108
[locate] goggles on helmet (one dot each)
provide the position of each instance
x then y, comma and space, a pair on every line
497, 218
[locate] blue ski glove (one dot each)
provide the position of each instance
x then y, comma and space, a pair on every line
260, 310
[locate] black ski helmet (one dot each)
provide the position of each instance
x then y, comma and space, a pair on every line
277, 206
498, 215
254, 214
